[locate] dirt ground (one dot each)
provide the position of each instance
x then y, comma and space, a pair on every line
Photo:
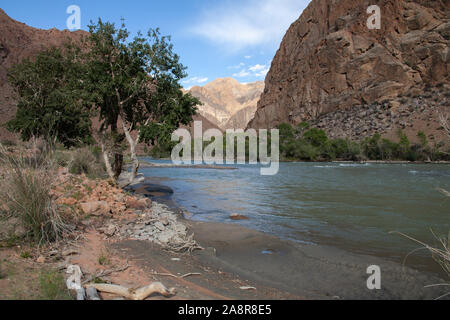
140, 263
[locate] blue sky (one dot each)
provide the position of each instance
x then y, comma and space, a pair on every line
215, 39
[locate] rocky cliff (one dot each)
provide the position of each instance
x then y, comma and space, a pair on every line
330, 63
228, 103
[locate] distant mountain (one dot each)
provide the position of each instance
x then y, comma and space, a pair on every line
228, 103
352, 81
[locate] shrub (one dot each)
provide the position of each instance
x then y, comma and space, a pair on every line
302, 127
404, 145
316, 137
104, 258
423, 138
52, 286
9, 143
372, 147
26, 193
389, 149
306, 151
62, 158
85, 161
25, 255
286, 131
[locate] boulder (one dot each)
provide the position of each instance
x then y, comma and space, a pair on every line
96, 208
236, 216
110, 230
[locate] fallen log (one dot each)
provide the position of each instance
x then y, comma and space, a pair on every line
92, 294
132, 294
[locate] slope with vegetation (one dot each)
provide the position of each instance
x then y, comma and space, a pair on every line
127, 85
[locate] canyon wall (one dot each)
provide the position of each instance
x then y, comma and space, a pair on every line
330, 62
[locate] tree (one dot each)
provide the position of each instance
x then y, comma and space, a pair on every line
49, 104
316, 137
134, 86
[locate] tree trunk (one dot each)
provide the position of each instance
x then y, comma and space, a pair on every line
108, 166
134, 160
118, 165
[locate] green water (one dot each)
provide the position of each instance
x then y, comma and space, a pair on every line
350, 206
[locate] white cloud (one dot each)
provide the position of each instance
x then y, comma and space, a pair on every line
257, 71
195, 80
257, 67
263, 72
248, 23
240, 65
248, 57
241, 74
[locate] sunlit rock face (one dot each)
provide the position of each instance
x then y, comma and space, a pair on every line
228, 103
329, 60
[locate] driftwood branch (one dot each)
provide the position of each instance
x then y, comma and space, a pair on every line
138, 294
105, 273
174, 276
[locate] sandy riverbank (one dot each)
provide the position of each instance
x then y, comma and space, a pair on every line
309, 271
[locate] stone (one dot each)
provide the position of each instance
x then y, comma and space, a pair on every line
96, 208
138, 204
41, 259
160, 226
110, 230
69, 252
236, 216
164, 221
165, 237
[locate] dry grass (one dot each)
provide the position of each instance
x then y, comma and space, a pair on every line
25, 192
440, 253
84, 161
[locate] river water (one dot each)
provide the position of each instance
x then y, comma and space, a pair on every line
350, 206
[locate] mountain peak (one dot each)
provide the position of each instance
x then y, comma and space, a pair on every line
227, 102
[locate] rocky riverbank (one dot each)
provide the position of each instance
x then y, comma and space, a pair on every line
125, 238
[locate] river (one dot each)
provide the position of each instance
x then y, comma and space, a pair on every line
350, 206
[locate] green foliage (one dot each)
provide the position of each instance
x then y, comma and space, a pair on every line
316, 137
286, 132
306, 151
313, 145
25, 255
423, 139
85, 161
404, 145
48, 102
137, 81
161, 151
302, 127
104, 258
52, 286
